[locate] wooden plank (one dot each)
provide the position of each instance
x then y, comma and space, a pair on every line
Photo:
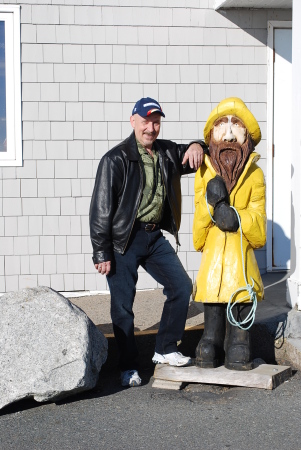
152, 331
137, 333
265, 376
165, 384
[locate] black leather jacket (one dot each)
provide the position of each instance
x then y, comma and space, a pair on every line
117, 194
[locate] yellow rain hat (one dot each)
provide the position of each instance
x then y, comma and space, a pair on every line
235, 107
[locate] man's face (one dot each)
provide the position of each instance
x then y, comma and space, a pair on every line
229, 129
146, 129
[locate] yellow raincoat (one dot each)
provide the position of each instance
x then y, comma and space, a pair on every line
221, 271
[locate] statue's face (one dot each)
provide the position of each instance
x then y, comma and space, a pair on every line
229, 128
229, 148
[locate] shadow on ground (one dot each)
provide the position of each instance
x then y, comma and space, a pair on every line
266, 338
109, 379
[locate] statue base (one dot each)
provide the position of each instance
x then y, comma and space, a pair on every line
265, 376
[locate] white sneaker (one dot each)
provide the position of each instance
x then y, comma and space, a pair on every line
173, 359
130, 378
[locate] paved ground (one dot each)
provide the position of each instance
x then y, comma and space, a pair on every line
197, 417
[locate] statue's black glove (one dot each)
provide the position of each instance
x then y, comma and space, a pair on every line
217, 191
225, 217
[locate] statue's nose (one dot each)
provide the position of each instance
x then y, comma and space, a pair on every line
229, 136
233, 139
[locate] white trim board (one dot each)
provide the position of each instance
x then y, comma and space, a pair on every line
272, 25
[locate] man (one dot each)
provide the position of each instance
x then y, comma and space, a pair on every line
137, 193
229, 177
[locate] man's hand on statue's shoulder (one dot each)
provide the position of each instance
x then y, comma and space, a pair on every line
104, 267
195, 156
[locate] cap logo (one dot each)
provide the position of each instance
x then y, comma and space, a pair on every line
152, 104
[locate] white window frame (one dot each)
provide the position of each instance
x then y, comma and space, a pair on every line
10, 14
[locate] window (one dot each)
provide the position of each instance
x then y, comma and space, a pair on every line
10, 87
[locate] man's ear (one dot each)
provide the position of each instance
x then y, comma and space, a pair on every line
132, 120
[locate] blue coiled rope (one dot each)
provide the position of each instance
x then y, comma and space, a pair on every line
251, 294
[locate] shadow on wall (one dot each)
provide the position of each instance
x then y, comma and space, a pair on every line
281, 247
293, 254
254, 21
281, 250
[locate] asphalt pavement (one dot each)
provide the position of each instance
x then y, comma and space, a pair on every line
196, 417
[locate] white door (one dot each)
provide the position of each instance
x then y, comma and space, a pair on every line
281, 222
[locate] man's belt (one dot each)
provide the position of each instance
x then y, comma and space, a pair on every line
149, 227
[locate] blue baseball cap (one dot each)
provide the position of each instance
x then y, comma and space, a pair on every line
146, 106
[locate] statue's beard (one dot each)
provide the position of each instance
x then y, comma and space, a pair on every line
229, 159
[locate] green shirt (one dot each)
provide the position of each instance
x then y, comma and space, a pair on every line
153, 195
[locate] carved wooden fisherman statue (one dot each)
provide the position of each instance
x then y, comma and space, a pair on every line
229, 177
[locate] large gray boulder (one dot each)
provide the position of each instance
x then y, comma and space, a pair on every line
49, 348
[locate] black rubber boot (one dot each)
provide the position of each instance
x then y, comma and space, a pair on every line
210, 350
238, 342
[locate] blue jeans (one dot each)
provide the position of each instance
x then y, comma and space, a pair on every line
155, 254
